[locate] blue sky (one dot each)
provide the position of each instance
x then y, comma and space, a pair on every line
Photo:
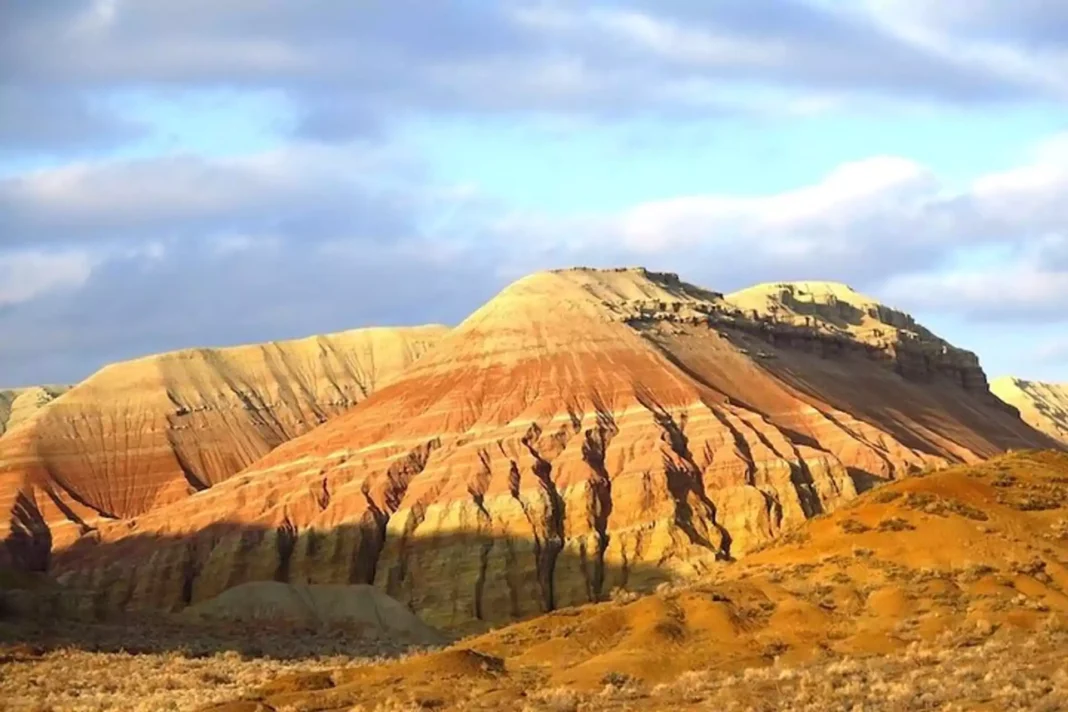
198, 173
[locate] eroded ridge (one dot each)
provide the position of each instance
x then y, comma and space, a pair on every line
145, 433
584, 430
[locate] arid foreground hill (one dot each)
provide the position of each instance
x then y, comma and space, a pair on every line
945, 591
584, 430
1044, 406
145, 433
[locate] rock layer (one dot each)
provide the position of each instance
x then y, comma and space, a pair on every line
1044, 406
584, 430
144, 433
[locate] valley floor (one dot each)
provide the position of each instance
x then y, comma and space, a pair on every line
978, 669
98, 667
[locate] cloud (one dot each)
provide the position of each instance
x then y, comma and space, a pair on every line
996, 249
131, 305
107, 259
355, 69
1015, 292
1035, 22
299, 191
54, 120
28, 274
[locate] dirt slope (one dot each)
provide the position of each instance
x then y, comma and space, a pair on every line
583, 430
1044, 406
143, 433
362, 607
945, 563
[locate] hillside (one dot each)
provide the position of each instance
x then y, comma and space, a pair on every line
20, 404
946, 589
1043, 406
584, 430
143, 433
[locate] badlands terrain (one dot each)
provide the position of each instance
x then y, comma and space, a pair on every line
618, 489
1043, 406
144, 433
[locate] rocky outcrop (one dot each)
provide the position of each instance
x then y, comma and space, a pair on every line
20, 404
584, 430
152, 431
1044, 406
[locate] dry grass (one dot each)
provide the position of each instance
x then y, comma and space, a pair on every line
955, 672
93, 667
80, 681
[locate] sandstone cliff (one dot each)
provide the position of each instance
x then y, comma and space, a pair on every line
143, 433
583, 430
1044, 406
19, 404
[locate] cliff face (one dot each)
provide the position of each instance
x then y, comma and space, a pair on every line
1043, 406
144, 433
583, 430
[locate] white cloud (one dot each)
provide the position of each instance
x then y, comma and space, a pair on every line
852, 194
354, 68
28, 274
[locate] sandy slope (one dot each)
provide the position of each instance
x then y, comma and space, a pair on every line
1044, 406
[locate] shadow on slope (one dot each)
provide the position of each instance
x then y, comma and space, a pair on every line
954, 560
140, 593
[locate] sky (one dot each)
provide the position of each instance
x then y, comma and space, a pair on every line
179, 173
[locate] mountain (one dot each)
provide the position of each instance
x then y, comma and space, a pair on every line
143, 433
1043, 406
941, 592
582, 431
19, 404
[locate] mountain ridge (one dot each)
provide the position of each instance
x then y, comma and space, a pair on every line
624, 417
142, 433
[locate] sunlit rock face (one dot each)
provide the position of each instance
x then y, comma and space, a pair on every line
1043, 406
583, 430
145, 433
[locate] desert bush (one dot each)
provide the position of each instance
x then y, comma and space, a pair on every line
852, 526
895, 524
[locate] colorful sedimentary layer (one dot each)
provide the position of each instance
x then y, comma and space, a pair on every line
583, 430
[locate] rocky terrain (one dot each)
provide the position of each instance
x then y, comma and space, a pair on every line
1043, 406
141, 434
583, 431
19, 404
943, 591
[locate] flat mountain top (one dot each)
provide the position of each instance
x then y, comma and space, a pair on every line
1044, 406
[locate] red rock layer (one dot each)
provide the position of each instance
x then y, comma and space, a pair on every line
584, 430
144, 433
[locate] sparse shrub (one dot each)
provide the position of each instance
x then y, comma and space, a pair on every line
887, 497
852, 526
615, 679
557, 699
895, 524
